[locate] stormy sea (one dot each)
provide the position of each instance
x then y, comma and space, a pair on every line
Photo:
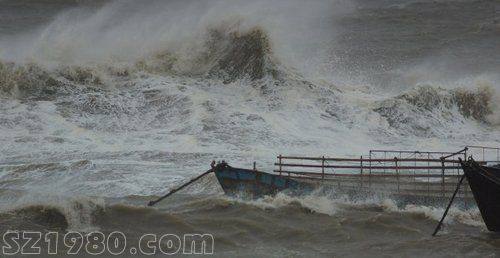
106, 105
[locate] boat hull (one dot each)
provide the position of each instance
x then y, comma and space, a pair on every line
254, 184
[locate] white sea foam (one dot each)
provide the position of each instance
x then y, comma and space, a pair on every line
333, 205
314, 203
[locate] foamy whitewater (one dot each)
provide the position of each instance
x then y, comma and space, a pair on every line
105, 105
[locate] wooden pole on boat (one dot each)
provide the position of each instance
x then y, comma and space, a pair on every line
449, 204
151, 203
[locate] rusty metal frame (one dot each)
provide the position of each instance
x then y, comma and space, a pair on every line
405, 171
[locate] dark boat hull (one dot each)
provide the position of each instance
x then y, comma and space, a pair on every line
485, 185
253, 184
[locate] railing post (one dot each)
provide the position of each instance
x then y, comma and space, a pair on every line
385, 158
397, 170
361, 164
415, 170
361, 176
428, 172
442, 177
428, 164
323, 167
279, 163
370, 172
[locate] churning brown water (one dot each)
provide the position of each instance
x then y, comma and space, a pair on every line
283, 226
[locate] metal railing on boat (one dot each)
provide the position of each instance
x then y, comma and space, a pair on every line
404, 172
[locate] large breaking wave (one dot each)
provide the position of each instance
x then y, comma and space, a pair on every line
229, 54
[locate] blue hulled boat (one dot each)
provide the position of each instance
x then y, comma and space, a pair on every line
407, 177
254, 184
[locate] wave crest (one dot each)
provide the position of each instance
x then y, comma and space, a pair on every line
475, 104
337, 205
226, 53
27, 82
426, 109
471, 103
243, 55
58, 212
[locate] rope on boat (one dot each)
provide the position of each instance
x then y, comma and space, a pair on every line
451, 201
151, 203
